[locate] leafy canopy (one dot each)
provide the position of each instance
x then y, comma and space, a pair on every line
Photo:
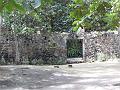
95, 14
49, 16
21, 5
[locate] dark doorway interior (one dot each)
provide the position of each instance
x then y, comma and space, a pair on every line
75, 48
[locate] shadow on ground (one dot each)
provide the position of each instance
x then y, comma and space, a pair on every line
91, 77
32, 78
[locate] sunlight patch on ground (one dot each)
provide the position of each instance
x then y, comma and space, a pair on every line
19, 89
85, 80
94, 88
44, 80
116, 80
64, 74
101, 88
64, 86
90, 75
111, 81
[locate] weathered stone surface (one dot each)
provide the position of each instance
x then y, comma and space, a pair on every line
50, 48
102, 47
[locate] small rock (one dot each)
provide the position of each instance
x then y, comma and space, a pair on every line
70, 66
56, 66
24, 74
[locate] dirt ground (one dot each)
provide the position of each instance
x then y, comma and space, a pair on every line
86, 76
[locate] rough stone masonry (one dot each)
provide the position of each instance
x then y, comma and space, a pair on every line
50, 48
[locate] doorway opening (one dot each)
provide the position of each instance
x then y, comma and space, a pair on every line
75, 48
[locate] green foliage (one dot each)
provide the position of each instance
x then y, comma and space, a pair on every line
11, 5
55, 17
74, 48
15, 22
95, 14
21, 5
51, 17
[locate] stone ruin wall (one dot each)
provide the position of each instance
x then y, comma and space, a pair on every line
50, 48
101, 47
35, 49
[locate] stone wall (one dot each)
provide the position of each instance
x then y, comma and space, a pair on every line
50, 48
102, 46
43, 48
98, 46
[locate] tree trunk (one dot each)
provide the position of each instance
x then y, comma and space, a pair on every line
0, 26
17, 54
119, 40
